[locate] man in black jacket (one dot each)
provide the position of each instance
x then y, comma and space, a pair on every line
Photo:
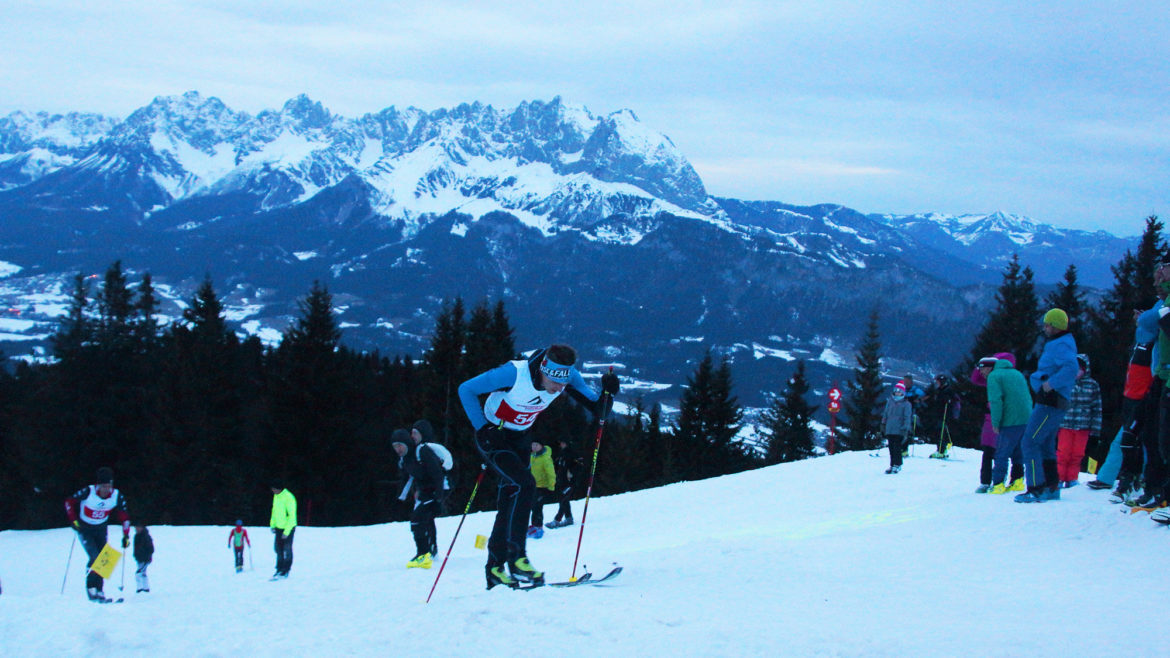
424, 471
568, 466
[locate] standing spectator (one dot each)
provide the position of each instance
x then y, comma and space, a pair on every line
543, 471
236, 540
940, 401
1053, 381
88, 511
1009, 404
283, 524
517, 392
568, 473
896, 425
143, 555
424, 470
914, 395
1158, 458
988, 433
1125, 456
1082, 422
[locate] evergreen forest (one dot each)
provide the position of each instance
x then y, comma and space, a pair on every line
198, 423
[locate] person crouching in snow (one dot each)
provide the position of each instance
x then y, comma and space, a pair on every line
896, 425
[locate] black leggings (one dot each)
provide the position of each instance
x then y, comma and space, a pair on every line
422, 524
93, 540
894, 441
515, 493
284, 551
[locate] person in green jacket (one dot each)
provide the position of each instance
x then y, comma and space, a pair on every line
541, 465
1009, 404
283, 524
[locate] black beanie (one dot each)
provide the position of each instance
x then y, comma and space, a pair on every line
105, 475
400, 436
425, 430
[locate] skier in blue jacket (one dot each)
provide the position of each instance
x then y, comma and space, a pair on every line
1052, 383
516, 394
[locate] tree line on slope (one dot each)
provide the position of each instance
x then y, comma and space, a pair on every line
198, 423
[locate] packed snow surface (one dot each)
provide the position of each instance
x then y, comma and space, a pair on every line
816, 558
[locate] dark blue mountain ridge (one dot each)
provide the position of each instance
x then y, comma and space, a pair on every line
593, 229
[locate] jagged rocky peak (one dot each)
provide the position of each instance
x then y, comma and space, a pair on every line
307, 112
622, 148
201, 122
57, 133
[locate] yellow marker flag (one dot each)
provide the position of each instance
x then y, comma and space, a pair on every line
106, 561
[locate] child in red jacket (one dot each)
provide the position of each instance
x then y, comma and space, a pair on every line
236, 540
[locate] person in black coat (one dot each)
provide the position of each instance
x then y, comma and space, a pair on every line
569, 467
424, 471
143, 555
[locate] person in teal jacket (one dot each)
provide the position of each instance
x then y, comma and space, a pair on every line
1053, 381
1009, 404
283, 524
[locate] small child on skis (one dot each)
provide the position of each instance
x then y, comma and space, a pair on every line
896, 425
143, 554
236, 540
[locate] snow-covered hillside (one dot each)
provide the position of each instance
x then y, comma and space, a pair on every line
822, 557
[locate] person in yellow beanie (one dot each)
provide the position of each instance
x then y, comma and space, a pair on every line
1057, 319
1052, 382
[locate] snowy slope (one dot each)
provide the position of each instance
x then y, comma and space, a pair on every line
822, 557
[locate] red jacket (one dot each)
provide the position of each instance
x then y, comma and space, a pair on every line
232, 537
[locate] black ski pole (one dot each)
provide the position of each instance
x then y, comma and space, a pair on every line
607, 400
68, 562
478, 479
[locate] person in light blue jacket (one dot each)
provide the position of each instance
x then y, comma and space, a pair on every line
1052, 384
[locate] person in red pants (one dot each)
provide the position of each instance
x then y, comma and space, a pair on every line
1082, 421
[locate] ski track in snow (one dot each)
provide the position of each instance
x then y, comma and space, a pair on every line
822, 557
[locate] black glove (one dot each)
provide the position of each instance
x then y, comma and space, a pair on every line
610, 384
125, 541
490, 436
77, 525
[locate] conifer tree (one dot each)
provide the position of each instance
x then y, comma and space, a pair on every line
1069, 297
1111, 322
489, 341
707, 423
75, 329
1013, 325
504, 337
787, 429
316, 331
445, 371
115, 306
145, 326
204, 316
861, 429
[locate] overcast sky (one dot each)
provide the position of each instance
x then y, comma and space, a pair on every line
1055, 110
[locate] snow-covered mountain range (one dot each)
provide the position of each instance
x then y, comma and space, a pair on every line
590, 227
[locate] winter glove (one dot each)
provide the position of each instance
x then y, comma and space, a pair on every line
125, 541
610, 383
275, 530
77, 525
490, 436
